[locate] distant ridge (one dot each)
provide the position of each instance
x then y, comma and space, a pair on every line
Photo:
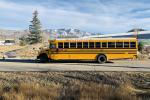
139, 29
47, 33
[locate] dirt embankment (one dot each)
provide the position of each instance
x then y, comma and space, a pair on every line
4, 49
29, 51
21, 51
75, 85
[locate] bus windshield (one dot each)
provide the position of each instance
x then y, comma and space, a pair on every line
52, 45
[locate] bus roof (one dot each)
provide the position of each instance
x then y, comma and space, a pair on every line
67, 39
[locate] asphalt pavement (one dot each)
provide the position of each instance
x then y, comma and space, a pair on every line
114, 65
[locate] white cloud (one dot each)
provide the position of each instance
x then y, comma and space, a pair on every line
107, 17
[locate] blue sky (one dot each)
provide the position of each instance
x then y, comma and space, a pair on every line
103, 16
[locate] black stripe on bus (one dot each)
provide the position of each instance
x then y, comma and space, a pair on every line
97, 48
93, 53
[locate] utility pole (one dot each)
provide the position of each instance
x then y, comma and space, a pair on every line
42, 38
136, 31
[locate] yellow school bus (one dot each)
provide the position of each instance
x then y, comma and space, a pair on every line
98, 49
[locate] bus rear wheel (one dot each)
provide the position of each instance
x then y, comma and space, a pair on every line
101, 59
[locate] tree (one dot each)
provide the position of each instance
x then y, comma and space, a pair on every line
23, 41
35, 30
140, 46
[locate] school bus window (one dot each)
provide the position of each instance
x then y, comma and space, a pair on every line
119, 44
66, 45
104, 44
85, 44
73, 45
79, 45
126, 44
60, 45
111, 44
91, 44
98, 44
132, 44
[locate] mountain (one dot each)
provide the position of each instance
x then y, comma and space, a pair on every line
47, 34
66, 33
12, 34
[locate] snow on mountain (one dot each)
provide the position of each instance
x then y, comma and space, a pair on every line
66, 33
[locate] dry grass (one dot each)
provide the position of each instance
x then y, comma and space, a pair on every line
77, 91
4, 49
92, 91
31, 91
29, 50
74, 86
21, 51
9, 48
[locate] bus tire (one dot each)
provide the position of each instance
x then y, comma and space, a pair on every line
101, 59
135, 57
43, 58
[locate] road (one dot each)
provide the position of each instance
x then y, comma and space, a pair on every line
115, 65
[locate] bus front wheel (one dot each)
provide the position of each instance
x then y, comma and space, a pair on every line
101, 59
43, 59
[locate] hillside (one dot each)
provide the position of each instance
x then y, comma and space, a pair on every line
12, 34
4, 49
75, 85
47, 33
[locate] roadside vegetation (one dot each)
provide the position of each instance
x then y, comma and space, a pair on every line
74, 86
